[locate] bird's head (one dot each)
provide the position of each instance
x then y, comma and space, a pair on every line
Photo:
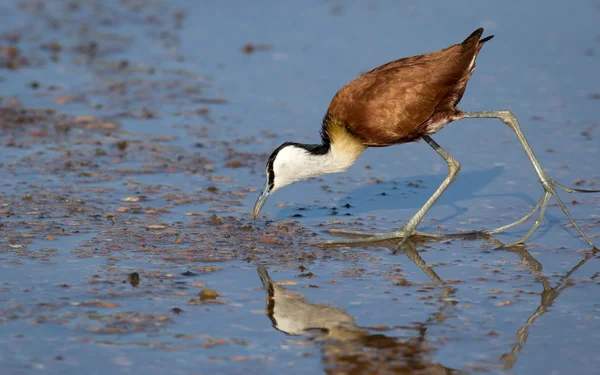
289, 163
292, 162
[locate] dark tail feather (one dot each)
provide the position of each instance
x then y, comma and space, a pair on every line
481, 41
476, 35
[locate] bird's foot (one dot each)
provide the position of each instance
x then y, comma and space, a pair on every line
373, 236
549, 190
403, 235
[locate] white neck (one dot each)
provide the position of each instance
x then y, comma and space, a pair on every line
333, 161
294, 163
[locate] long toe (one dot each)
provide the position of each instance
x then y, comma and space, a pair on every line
470, 233
566, 211
549, 191
361, 233
369, 238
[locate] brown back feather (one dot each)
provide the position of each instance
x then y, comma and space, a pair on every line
392, 103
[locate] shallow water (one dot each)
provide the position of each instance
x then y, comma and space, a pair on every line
150, 161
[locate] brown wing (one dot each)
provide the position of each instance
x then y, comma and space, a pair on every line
388, 104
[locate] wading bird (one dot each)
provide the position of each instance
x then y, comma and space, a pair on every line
402, 101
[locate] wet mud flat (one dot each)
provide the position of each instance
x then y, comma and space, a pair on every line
128, 168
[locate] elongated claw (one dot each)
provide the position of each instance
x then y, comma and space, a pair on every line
574, 190
403, 235
366, 237
364, 234
396, 234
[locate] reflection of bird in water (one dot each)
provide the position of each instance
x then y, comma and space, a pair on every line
402, 101
346, 348
291, 314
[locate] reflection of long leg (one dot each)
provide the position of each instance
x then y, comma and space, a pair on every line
410, 249
549, 186
410, 227
534, 264
549, 295
411, 252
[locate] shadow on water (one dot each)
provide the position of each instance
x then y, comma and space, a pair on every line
414, 192
407, 193
346, 347
411, 194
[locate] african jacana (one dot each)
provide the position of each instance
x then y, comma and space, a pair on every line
402, 101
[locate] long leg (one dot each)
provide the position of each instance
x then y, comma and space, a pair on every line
549, 186
410, 228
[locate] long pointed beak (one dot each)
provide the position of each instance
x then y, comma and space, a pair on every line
262, 198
